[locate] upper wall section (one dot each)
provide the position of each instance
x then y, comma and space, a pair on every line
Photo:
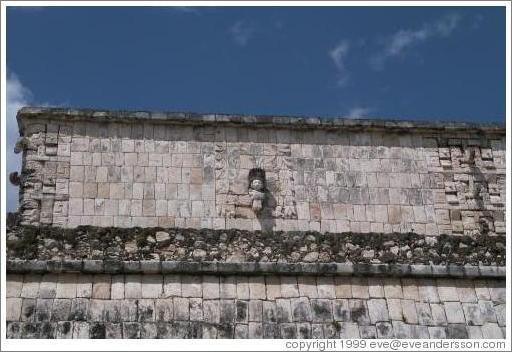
126, 169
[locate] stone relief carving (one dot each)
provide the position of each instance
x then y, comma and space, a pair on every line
257, 188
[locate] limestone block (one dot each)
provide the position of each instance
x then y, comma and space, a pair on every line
438, 314
289, 287
491, 331
427, 289
325, 287
133, 286
454, 313
164, 310
377, 310
152, 285
146, 309
307, 286
321, 310
360, 287
191, 286
14, 284
13, 309
256, 287
66, 286
101, 286
301, 310
80, 330
273, 287
466, 291
211, 311
84, 286
392, 288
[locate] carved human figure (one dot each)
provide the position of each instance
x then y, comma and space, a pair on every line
257, 188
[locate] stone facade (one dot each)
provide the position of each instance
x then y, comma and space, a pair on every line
142, 169
68, 305
172, 225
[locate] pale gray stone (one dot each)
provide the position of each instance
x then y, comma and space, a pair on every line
454, 313
377, 310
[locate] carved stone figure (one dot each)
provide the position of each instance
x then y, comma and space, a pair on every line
257, 188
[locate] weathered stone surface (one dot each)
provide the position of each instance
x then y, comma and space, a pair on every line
377, 310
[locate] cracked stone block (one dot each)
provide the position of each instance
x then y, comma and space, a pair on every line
13, 309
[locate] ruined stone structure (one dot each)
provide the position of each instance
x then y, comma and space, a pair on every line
137, 224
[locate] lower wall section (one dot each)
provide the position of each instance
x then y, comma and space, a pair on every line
71, 305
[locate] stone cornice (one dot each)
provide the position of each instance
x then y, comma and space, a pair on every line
252, 268
288, 122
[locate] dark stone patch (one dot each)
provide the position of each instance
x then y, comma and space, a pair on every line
13, 330
288, 331
47, 330
180, 330
456, 331
322, 310
225, 331
28, 309
304, 330
30, 331
97, 330
384, 330
227, 312
241, 311
270, 331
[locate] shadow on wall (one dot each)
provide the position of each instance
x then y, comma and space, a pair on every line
265, 216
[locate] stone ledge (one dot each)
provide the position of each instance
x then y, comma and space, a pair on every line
251, 268
213, 119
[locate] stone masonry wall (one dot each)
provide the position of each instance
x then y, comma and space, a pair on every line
176, 170
71, 305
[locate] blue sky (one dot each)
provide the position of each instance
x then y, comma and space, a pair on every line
428, 63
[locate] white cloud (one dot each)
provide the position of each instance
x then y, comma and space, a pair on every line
401, 41
242, 31
358, 112
17, 96
338, 55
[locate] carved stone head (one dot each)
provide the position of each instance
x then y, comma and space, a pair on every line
257, 179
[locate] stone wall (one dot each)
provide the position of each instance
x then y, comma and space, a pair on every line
128, 169
70, 305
